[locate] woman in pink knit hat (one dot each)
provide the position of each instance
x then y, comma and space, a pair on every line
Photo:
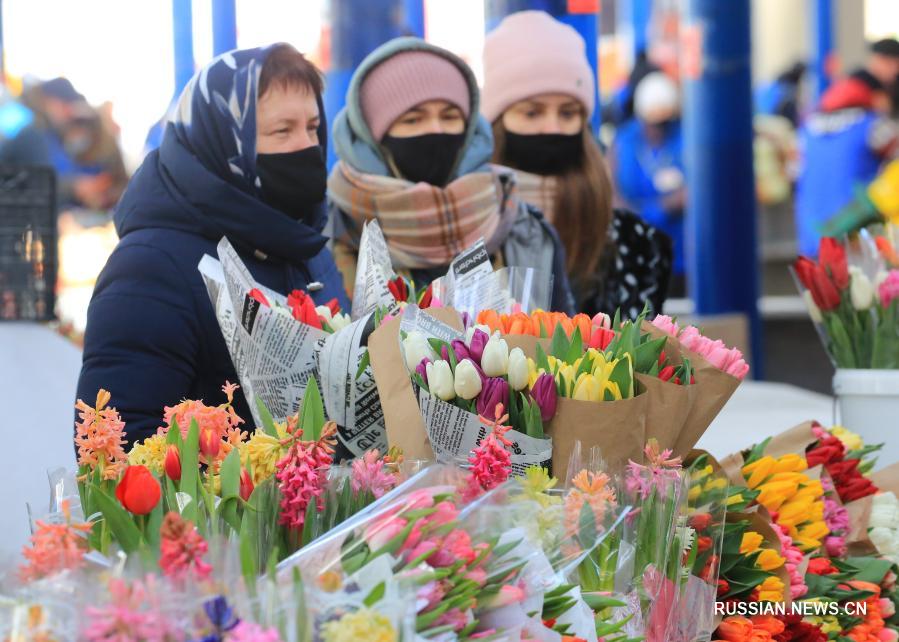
540, 101
415, 156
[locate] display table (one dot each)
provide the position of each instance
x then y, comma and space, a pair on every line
38, 374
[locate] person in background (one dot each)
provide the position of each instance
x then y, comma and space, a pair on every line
842, 146
415, 156
782, 97
540, 102
243, 158
883, 64
21, 140
648, 166
88, 163
621, 108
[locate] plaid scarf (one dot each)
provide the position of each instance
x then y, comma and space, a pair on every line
539, 191
426, 226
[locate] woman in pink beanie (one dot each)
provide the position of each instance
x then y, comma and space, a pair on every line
415, 156
540, 101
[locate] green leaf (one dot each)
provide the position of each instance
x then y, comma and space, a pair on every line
364, 362
312, 414
173, 436
230, 474
268, 422
375, 596
575, 347
560, 344
623, 375
190, 470
123, 528
154, 523
757, 452
647, 354
586, 532
542, 361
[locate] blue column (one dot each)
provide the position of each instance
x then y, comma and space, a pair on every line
641, 13
822, 39
585, 23
224, 26
183, 32
721, 246
358, 27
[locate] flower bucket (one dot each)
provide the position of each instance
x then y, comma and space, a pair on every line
869, 405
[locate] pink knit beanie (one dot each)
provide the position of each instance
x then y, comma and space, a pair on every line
531, 53
407, 79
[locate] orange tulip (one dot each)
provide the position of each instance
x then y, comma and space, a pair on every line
735, 629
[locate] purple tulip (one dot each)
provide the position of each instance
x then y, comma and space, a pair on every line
461, 350
444, 353
422, 369
495, 391
544, 393
476, 348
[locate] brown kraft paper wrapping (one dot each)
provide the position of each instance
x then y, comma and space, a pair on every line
668, 406
402, 417
616, 427
887, 479
711, 391
857, 540
792, 441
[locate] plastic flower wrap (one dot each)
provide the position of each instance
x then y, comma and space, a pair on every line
854, 306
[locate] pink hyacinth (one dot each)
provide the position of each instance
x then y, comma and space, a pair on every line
182, 549
794, 558
660, 474
301, 476
369, 475
250, 632
134, 613
490, 462
889, 289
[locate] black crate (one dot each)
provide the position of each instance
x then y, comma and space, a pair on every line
28, 243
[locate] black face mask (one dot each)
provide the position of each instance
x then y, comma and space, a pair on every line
544, 154
425, 159
294, 182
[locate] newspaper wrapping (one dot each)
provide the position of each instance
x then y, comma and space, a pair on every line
454, 432
274, 356
373, 270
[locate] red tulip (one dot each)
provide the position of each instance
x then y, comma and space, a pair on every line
601, 338
257, 294
303, 308
246, 485
333, 306
703, 543
666, 373
723, 587
832, 256
805, 268
824, 292
398, 289
427, 297
173, 463
210, 443
700, 521
138, 491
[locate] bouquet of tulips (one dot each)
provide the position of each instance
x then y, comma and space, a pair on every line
855, 306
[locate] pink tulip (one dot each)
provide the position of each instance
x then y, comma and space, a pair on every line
382, 531
602, 320
508, 594
666, 324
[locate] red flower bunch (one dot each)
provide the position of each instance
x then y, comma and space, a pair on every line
796, 630
827, 278
830, 452
404, 292
821, 566
302, 307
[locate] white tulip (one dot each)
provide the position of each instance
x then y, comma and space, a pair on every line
468, 380
881, 276
339, 321
324, 312
416, 348
470, 332
884, 539
440, 380
813, 309
518, 369
495, 360
861, 291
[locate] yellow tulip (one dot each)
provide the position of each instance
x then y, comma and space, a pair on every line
734, 499
771, 590
814, 530
702, 473
750, 542
769, 559
719, 483
805, 543
587, 388
816, 513
799, 478
774, 494
790, 463
613, 388
694, 493
884, 191
758, 471
794, 512
850, 440
533, 373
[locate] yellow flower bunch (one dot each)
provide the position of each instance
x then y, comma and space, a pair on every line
828, 623
884, 192
704, 481
364, 624
589, 378
795, 499
262, 451
768, 559
150, 453
771, 590
850, 440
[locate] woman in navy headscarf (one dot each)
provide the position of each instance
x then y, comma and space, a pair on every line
243, 158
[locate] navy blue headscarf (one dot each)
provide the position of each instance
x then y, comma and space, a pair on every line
207, 168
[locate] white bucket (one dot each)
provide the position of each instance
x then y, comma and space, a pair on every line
869, 405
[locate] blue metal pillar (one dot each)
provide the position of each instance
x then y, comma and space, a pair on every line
358, 27
822, 37
224, 26
641, 13
183, 32
580, 15
721, 244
